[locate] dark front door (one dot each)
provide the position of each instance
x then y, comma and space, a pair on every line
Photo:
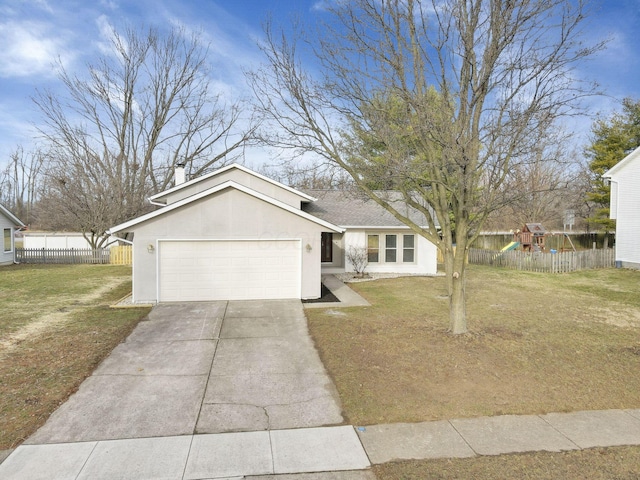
326, 247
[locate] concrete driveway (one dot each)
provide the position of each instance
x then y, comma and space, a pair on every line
201, 390
203, 368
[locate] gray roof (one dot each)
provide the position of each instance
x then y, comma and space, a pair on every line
354, 209
536, 228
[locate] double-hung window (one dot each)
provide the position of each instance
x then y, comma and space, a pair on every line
390, 248
373, 248
408, 248
8, 244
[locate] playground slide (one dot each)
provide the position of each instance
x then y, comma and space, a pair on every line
511, 246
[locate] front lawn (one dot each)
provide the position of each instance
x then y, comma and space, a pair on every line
538, 343
55, 328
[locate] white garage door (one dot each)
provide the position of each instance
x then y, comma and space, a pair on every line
229, 270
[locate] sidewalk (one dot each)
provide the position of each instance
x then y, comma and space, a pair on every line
337, 451
469, 437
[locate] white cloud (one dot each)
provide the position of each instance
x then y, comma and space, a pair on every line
106, 35
43, 5
29, 51
321, 6
110, 4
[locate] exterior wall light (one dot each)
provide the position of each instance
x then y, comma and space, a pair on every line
151, 248
308, 247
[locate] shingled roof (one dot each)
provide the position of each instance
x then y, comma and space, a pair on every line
354, 209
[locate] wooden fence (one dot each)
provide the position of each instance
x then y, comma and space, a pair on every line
63, 255
581, 240
544, 262
121, 255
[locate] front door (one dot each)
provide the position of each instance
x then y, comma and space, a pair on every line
326, 247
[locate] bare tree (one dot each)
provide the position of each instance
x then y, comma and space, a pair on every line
21, 182
313, 177
143, 107
477, 80
541, 188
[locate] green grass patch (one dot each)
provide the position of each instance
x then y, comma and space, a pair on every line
64, 329
27, 291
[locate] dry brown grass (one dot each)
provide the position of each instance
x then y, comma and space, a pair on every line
538, 343
55, 328
619, 463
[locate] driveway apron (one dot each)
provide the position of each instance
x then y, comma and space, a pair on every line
202, 368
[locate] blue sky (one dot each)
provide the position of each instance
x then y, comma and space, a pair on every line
33, 33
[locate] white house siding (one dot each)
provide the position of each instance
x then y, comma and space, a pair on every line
226, 215
6, 257
625, 208
425, 254
613, 210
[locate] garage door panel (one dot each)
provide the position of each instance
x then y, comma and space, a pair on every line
229, 270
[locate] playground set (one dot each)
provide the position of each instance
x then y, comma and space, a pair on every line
532, 239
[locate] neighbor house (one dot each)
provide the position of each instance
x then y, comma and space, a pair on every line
625, 208
9, 223
65, 240
236, 234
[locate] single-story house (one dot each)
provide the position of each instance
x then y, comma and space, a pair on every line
236, 234
9, 223
624, 178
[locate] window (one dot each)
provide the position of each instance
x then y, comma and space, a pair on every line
408, 248
390, 248
326, 247
373, 248
7, 240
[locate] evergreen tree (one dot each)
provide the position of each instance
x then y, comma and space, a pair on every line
613, 139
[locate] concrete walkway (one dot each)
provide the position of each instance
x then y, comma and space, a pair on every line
468, 437
346, 296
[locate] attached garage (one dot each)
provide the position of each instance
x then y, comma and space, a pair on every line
227, 242
203, 270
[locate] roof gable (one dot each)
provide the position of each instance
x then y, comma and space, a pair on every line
11, 216
629, 159
214, 190
193, 184
536, 228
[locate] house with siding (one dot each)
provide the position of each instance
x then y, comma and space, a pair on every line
392, 247
624, 179
235, 234
9, 223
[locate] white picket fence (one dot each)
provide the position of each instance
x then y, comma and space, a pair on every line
561, 262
